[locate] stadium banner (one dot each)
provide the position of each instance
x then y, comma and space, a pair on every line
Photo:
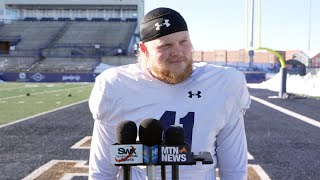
47, 77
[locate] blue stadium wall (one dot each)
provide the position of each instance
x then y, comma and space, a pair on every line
251, 77
47, 77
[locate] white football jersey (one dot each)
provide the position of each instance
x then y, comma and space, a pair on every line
209, 105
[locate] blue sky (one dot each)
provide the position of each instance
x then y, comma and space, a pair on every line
220, 24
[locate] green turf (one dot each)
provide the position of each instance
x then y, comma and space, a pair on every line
15, 103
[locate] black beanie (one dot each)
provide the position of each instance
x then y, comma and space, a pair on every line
160, 22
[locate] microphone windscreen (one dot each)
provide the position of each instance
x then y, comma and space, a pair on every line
126, 132
150, 132
174, 135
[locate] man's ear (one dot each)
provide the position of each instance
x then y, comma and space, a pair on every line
143, 48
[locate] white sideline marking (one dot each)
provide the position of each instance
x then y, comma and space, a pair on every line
250, 157
79, 144
9, 89
288, 112
47, 166
27, 118
261, 173
69, 176
258, 169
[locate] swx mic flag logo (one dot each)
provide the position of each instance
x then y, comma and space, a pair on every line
179, 154
126, 154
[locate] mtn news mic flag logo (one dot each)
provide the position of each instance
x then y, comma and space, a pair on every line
176, 154
126, 154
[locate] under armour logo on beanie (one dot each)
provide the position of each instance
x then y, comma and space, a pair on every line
160, 22
166, 22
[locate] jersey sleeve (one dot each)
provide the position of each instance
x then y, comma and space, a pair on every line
98, 99
100, 166
231, 140
103, 135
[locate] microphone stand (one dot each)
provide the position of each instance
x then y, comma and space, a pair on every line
163, 172
126, 172
175, 172
151, 169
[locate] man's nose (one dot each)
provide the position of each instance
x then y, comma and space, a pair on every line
176, 50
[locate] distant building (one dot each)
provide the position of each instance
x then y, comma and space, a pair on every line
302, 57
316, 61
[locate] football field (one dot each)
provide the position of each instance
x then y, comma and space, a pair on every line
283, 136
21, 100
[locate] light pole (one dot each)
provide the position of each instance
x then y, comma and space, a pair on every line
309, 34
251, 52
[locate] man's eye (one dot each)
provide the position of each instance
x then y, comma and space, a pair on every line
165, 46
183, 41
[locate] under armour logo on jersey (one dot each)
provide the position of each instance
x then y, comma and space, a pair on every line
191, 94
166, 23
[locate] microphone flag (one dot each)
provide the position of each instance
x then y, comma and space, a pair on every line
126, 154
150, 154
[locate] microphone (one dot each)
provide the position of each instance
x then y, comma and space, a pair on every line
126, 132
150, 135
175, 151
126, 151
174, 135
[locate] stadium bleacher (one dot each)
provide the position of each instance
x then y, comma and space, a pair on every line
97, 32
34, 34
14, 64
59, 45
75, 38
83, 65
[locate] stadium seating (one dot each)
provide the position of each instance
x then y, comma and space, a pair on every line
34, 34
92, 32
64, 45
66, 65
16, 63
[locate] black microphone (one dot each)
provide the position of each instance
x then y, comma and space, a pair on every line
126, 132
126, 151
174, 135
175, 151
150, 135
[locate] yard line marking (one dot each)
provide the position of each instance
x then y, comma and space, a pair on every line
288, 112
257, 170
47, 167
27, 118
19, 87
45, 92
69, 176
250, 157
261, 173
13, 88
80, 144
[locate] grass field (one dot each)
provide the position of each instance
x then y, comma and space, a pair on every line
21, 100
